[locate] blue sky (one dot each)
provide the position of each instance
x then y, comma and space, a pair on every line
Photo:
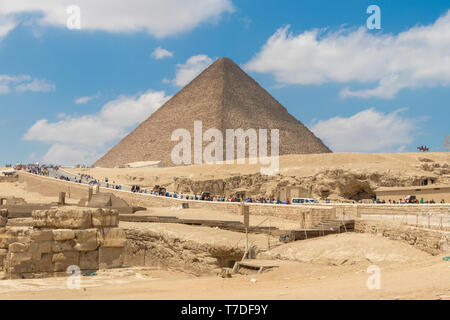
68, 95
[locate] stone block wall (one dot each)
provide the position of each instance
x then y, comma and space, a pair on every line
432, 241
3, 217
355, 210
61, 237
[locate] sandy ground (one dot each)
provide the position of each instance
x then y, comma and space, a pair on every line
206, 214
421, 277
18, 190
203, 235
293, 165
348, 248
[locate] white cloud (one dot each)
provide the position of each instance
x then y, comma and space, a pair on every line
160, 53
86, 99
192, 68
367, 131
90, 133
68, 155
6, 25
418, 57
23, 83
37, 85
157, 17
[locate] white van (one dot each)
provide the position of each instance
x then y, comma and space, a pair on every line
304, 201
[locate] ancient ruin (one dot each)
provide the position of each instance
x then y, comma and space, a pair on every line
88, 239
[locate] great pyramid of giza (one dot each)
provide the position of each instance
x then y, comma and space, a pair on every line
223, 97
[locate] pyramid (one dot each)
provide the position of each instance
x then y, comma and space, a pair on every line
223, 97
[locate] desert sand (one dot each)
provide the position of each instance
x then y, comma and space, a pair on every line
298, 165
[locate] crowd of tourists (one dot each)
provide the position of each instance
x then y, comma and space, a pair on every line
215, 198
406, 201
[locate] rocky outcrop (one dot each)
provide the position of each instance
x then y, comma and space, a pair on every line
337, 184
156, 249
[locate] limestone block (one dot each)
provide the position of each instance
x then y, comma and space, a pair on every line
3, 254
100, 200
18, 232
40, 247
110, 257
3, 217
45, 247
105, 218
63, 218
5, 241
34, 250
65, 259
19, 257
60, 246
42, 235
86, 240
112, 237
63, 234
89, 260
17, 247
45, 263
14, 234
21, 267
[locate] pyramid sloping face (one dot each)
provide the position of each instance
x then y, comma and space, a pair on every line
222, 97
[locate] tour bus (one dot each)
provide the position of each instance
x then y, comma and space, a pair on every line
304, 201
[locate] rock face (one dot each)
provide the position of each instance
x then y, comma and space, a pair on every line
85, 238
155, 249
222, 97
332, 184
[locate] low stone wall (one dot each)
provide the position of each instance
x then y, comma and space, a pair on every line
51, 187
61, 237
310, 215
356, 210
24, 210
14, 178
432, 241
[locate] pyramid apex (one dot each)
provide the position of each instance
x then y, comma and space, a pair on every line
224, 59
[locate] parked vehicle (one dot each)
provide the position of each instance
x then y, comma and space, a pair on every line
304, 201
411, 199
